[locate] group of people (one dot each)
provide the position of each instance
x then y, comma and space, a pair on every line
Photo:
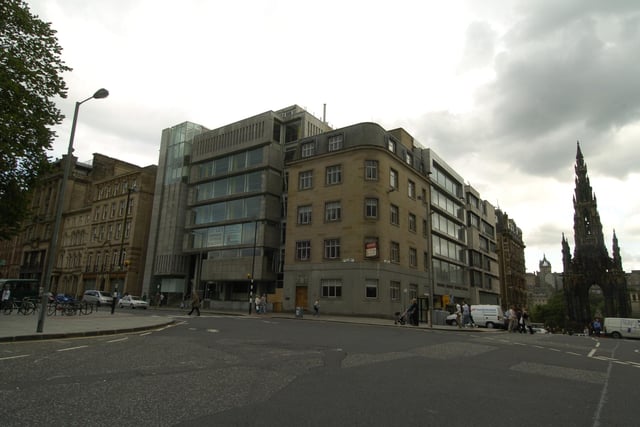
463, 315
517, 320
261, 304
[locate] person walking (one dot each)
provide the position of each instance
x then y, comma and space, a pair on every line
513, 319
597, 327
114, 301
459, 315
316, 307
466, 314
6, 295
195, 303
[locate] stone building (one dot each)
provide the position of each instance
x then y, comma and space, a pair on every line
102, 199
510, 250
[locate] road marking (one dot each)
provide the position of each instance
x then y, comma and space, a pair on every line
553, 349
119, 339
146, 333
573, 354
14, 357
72, 348
591, 353
213, 330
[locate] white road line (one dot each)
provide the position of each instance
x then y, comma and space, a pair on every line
119, 339
572, 353
591, 353
553, 349
73, 348
15, 357
146, 333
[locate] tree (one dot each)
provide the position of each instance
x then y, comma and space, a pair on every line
31, 71
553, 313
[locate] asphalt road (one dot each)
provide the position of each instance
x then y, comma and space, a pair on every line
245, 371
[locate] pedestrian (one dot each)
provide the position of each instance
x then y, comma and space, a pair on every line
161, 299
413, 313
466, 314
6, 295
195, 303
459, 315
257, 304
114, 300
597, 327
263, 304
513, 318
316, 307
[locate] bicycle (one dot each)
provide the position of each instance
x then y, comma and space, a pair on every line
85, 308
25, 307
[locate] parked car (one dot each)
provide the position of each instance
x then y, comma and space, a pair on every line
64, 298
97, 297
133, 302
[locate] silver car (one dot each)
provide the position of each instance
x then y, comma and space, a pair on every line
97, 297
133, 302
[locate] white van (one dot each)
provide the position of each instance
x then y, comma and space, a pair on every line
490, 316
618, 327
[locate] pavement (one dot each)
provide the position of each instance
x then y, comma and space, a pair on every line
18, 327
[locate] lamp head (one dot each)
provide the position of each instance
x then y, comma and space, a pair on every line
101, 93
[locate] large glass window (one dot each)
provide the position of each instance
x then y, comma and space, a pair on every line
393, 179
308, 149
394, 291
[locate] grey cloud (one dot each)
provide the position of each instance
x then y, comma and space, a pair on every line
479, 46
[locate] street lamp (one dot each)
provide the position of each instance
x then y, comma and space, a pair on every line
100, 93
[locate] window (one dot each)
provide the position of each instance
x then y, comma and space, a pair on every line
305, 180
371, 288
394, 291
332, 248
335, 142
393, 179
332, 211
413, 257
371, 170
304, 215
303, 250
395, 252
331, 288
411, 189
408, 157
392, 145
334, 174
371, 208
395, 214
412, 222
308, 149
113, 210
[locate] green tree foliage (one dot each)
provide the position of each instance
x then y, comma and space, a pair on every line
552, 314
31, 71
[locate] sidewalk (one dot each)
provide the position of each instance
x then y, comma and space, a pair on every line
17, 327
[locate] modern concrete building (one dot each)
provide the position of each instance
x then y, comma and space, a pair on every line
217, 226
484, 274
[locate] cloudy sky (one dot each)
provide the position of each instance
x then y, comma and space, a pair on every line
500, 89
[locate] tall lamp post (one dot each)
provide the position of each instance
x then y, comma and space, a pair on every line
100, 93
